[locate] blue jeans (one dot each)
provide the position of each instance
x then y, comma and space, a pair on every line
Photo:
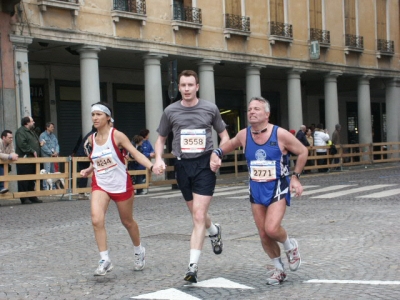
1, 174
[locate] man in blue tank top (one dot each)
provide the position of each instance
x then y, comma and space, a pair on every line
266, 147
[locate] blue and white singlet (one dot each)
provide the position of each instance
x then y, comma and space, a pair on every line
268, 170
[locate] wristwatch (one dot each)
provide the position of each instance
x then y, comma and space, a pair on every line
296, 174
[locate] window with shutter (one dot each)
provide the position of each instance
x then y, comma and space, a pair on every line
277, 11
381, 19
316, 14
350, 16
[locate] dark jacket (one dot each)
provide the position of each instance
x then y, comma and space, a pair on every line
301, 136
80, 150
26, 142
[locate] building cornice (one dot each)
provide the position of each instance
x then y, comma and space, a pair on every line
144, 46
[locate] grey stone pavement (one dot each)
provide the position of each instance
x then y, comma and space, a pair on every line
348, 243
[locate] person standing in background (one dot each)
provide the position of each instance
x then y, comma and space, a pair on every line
6, 153
134, 165
50, 148
310, 140
321, 137
309, 137
79, 151
336, 141
301, 136
148, 150
27, 145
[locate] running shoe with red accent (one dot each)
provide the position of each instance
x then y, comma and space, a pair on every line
293, 256
277, 277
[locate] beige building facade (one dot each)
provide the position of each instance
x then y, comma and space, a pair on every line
329, 61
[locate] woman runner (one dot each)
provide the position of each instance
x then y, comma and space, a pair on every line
110, 181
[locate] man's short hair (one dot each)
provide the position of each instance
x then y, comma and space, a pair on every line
188, 73
5, 133
265, 101
338, 126
48, 124
25, 120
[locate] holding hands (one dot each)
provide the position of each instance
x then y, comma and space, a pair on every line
215, 162
159, 167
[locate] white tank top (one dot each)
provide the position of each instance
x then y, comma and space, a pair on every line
109, 165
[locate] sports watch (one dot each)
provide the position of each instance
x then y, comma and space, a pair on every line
296, 174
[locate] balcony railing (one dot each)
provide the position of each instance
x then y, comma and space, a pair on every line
237, 22
133, 6
187, 14
322, 36
281, 29
385, 46
354, 41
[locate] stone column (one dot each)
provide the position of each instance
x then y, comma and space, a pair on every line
206, 79
207, 87
331, 101
392, 110
364, 113
21, 67
294, 99
253, 81
90, 82
153, 93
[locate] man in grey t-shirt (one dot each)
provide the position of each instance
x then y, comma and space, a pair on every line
191, 121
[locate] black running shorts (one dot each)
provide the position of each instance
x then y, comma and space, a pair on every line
195, 176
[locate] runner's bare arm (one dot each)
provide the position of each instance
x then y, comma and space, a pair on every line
122, 140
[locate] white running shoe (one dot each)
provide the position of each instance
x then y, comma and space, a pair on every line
140, 261
293, 256
104, 267
277, 277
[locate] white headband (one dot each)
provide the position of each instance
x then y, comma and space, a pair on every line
102, 108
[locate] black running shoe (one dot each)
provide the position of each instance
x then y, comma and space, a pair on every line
216, 240
191, 274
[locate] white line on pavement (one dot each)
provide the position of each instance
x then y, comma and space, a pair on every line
246, 190
373, 282
220, 283
382, 194
173, 194
352, 191
174, 294
169, 294
325, 189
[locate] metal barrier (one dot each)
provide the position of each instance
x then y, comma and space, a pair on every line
233, 165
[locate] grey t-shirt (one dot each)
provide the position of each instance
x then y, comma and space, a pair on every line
176, 117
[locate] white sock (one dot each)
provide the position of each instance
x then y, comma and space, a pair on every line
137, 249
278, 263
287, 245
194, 256
104, 255
213, 230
